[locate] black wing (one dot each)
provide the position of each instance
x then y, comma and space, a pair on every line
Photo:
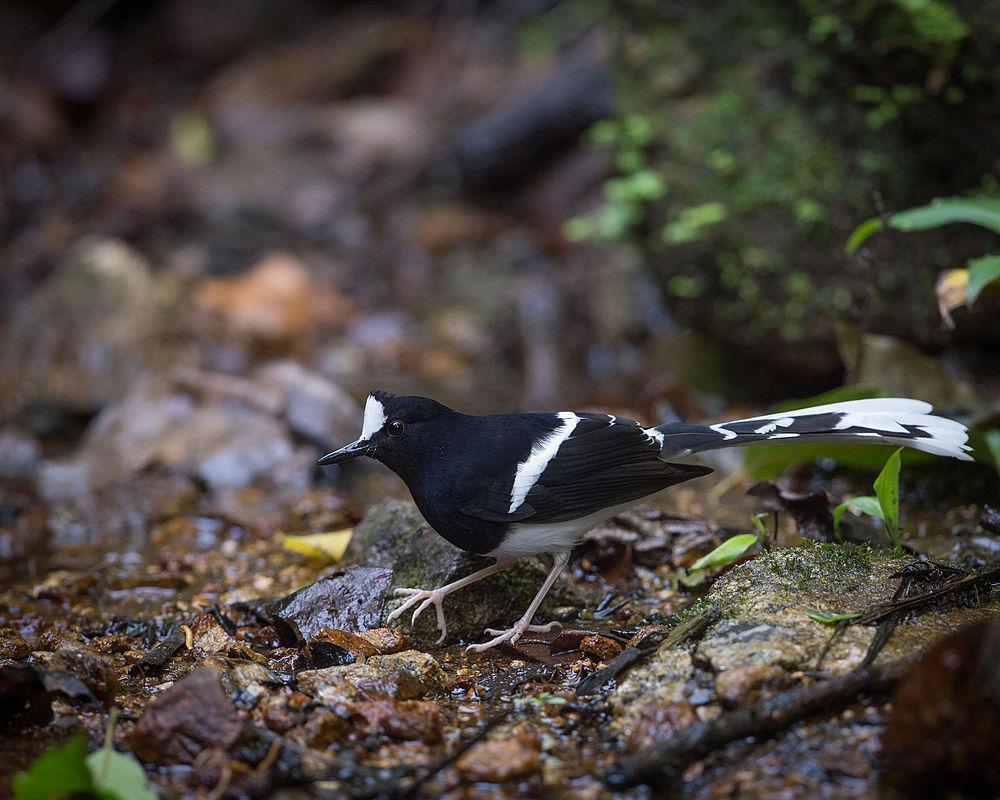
605, 462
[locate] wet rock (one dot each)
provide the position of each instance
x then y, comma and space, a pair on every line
409, 675
350, 600
192, 715
764, 639
278, 714
942, 732
208, 637
501, 760
386, 641
107, 319
12, 646
351, 643
316, 408
395, 536
94, 670
245, 681
410, 720
422, 667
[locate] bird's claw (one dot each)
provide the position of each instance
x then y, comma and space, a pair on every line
426, 597
511, 635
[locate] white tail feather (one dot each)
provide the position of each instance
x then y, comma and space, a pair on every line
881, 417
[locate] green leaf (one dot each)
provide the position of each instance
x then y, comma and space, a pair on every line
946, 210
60, 772
887, 489
758, 523
827, 618
695, 577
942, 211
866, 505
861, 234
117, 776
726, 553
982, 272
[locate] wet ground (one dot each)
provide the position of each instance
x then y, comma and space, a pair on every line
215, 243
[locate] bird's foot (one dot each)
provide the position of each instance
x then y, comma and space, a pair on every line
512, 635
426, 597
550, 626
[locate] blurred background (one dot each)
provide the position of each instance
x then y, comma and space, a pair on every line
224, 223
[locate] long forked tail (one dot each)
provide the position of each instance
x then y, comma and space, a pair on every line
889, 420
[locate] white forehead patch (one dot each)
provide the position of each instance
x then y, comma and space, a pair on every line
374, 418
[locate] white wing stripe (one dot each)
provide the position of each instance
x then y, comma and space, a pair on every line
544, 450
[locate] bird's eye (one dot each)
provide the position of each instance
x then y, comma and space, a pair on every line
396, 429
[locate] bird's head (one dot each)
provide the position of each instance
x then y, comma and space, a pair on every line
397, 430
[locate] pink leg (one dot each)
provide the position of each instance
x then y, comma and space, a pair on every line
559, 561
435, 597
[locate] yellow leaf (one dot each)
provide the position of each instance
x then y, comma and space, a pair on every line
328, 546
952, 292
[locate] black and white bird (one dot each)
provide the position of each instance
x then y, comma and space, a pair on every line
516, 485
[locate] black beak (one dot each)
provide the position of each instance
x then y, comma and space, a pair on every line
361, 447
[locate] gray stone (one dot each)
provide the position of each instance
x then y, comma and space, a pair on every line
394, 535
223, 442
316, 408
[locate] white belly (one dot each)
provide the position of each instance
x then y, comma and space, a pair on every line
527, 539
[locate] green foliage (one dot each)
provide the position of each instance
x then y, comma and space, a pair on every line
887, 490
767, 126
67, 771
726, 553
758, 523
827, 618
885, 505
117, 776
60, 772
981, 211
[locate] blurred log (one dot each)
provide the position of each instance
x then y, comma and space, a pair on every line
509, 144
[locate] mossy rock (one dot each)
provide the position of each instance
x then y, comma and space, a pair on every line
764, 628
